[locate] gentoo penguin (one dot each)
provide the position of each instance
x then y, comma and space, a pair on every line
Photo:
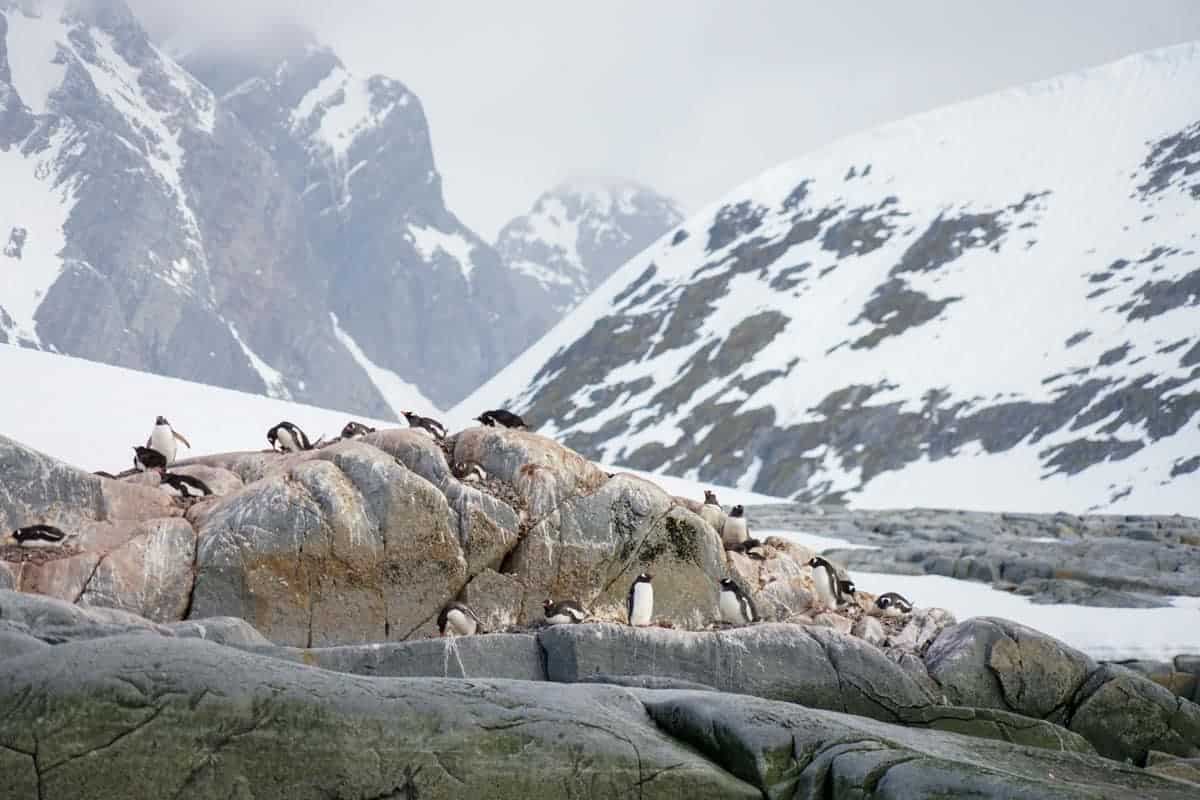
752, 548
564, 612
735, 532
846, 587
736, 606
288, 438
890, 604
185, 485
39, 536
356, 430
145, 458
500, 418
163, 439
640, 604
468, 472
431, 426
826, 582
457, 619
104, 474
711, 511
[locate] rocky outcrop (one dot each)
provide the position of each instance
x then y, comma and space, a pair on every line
173, 717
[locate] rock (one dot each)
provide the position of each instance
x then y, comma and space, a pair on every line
347, 545
1004, 726
15, 640
922, 627
55, 621
1166, 675
496, 599
184, 716
498, 655
834, 620
7, 579
150, 575
816, 667
1049, 590
870, 630
1125, 716
791, 751
221, 630
1168, 766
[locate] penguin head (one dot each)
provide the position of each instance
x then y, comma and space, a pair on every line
737, 511
727, 584
817, 561
645, 577
847, 586
884, 602
162, 421
710, 498
547, 603
486, 419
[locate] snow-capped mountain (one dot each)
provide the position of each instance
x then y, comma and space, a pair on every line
575, 236
991, 305
143, 226
414, 290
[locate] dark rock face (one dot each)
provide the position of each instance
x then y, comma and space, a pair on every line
910, 334
575, 236
177, 229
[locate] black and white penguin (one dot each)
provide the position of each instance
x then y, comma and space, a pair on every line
457, 619
356, 430
735, 531
163, 438
468, 472
640, 605
104, 474
147, 458
39, 536
752, 548
711, 511
827, 583
501, 418
564, 612
185, 485
736, 606
890, 604
425, 424
288, 438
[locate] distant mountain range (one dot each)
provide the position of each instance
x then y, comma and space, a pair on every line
267, 222
993, 305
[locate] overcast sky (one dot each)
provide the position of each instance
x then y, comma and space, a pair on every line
691, 97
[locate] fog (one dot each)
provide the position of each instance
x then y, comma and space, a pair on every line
691, 97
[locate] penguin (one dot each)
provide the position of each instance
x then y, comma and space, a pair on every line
752, 548
735, 532
147, 458
890, 604
288, 438
431, 426
711, 511
356, 430
501, 418
457, 619
564, 612
736, 606
104, 474
846, 587
185, 485
640, 605
39, 536
826, 582
163, 438
468, 472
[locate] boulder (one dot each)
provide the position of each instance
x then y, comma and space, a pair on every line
185, 717
513, 656
1126, 716
7, 579
222, 630
921, 628
56, 621
345, 545
15, 640
220, 481
498, 600
150, 575
816, 667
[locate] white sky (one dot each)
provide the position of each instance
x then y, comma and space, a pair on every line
691, 97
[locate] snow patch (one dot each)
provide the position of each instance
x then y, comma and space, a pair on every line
33, 45
399, 393
273, 378
429, 241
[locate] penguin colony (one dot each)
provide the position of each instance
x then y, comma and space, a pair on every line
456, 618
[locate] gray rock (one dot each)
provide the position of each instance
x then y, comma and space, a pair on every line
187, 716
15, 640
1126, 716
513, 656
7, 579
55, 621
816, 667
230, 631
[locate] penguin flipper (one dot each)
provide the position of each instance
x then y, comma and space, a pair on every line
180, 437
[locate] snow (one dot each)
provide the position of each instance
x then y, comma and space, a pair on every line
1107, 634
679, 487
32, 200
813, 541
400, 394
346, 107
33, 44
1004, 337
430, 241
273, 379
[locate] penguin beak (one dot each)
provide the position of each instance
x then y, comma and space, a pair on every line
182, 438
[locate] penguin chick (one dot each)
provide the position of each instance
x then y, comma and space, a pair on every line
711, 511
734, 531
753, 548
39, 536
564, 612
288, 438
426, 424
457, 619
640, 603
890, 604
736, 606
185, 485
356, 430
468, 472
147, 458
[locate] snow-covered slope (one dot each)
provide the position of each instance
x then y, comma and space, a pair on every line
993, 305
578, 234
